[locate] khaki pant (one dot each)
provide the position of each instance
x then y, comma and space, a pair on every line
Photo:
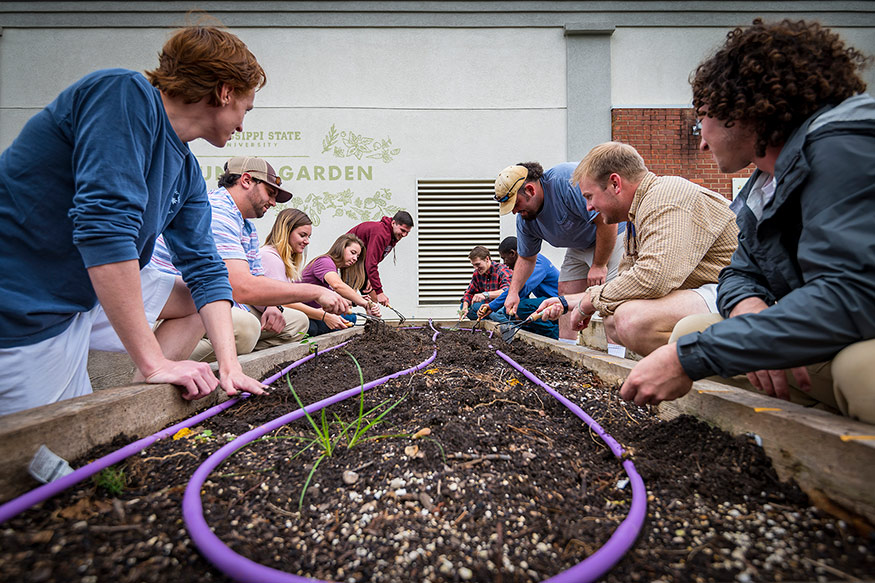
845, 384
249, 336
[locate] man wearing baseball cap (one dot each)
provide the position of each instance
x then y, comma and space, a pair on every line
550, 208
247, 189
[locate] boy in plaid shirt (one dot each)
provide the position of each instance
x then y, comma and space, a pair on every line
489, 280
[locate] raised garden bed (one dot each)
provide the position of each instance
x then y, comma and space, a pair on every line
502, 483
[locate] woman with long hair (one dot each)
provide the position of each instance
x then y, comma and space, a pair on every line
284, 250
342, 269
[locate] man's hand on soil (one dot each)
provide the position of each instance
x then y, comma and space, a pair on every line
196, 378
657, 377
236, 381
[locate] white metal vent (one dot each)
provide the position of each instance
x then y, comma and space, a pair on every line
455, 215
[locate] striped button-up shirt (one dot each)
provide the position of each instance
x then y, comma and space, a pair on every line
680, 236
235, 237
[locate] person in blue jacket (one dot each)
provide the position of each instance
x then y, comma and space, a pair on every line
798, 297
85, 189
543, 283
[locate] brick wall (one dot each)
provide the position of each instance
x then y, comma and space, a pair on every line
664, 137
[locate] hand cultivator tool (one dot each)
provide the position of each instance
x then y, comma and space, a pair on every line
400, 315
459, 323
477, 323
508, 331
366, 317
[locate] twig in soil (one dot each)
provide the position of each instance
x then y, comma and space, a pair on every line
477, 456
282, 511
598, 442
696, 550
491, 456
527, 431
148, 459
831, 570
240, 497
629, 415
363, 466
114, 528
461, 517
512, 402
498, 557
238, 474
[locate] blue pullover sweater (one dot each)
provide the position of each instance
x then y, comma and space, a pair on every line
93, 179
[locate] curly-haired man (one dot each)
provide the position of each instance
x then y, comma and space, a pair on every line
798, 296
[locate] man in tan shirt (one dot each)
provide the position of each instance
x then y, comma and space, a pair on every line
680, 235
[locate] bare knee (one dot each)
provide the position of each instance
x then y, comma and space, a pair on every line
629, 323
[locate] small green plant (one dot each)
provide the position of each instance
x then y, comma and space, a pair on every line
112, 480
204, 435
311, 343
357, 429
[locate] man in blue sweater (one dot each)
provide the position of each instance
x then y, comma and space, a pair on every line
85, 189
543, 283
796, 302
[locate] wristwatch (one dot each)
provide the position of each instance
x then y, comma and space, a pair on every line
564, 303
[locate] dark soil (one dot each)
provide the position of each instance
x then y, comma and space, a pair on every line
475, 474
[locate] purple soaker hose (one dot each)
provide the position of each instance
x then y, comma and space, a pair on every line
18, 505
242, 569
226, 560
624, 537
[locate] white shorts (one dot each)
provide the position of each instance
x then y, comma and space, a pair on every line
709, 294
57, 368
576, 264
156, 286
48, 371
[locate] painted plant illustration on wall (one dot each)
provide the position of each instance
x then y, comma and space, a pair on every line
345, 144
344, 203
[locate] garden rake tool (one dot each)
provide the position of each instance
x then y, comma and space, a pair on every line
400, 315
458, 324
508, 331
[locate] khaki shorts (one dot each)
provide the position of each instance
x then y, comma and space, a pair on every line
577, 262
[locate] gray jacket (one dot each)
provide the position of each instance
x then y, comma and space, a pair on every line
810, 257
